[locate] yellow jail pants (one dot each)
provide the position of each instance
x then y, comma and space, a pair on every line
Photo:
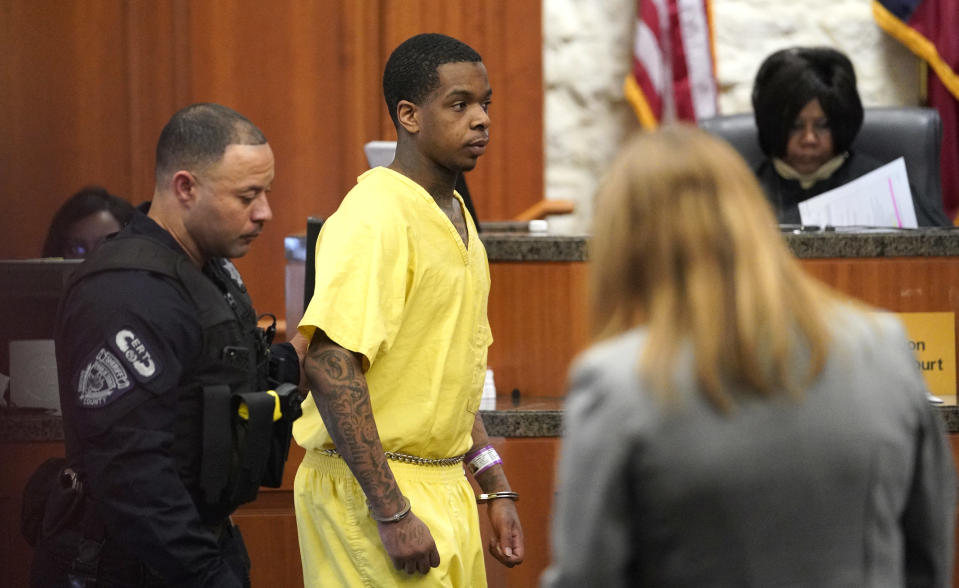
339, 543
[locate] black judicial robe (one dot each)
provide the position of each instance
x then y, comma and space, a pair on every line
785, 195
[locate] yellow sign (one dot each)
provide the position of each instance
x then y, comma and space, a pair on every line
932, 336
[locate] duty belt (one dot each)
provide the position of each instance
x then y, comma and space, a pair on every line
413, 459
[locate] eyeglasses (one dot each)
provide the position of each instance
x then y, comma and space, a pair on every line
75, 251
79, 250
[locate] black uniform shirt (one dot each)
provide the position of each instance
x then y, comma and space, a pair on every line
124, 340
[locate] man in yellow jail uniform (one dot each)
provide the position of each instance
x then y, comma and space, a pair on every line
399, 336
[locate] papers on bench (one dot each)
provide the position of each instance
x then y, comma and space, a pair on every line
881, 198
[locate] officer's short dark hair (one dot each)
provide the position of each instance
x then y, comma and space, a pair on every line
788, 79
410, 72
197, 136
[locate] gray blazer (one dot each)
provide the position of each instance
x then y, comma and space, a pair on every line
853, 485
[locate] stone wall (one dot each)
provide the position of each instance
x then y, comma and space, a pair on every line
587, 47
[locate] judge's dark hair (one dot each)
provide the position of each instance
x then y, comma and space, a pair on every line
196, 137
86, 201
410, 72
789, 79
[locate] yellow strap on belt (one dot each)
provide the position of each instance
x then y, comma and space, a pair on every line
277, 413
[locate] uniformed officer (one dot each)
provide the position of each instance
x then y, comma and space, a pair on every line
157, 349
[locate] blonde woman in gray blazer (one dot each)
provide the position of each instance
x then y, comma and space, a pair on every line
737, 423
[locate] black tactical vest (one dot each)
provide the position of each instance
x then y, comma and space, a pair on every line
220, 457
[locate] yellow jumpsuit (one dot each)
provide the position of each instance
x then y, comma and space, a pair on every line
395, 283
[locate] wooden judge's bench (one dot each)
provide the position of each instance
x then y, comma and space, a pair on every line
537, 311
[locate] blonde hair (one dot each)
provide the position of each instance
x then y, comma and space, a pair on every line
686, 244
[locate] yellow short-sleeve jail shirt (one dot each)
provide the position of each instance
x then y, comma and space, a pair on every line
395, 283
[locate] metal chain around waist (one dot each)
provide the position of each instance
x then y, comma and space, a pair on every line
404, 458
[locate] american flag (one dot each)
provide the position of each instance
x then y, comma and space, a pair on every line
930, 29
673, 74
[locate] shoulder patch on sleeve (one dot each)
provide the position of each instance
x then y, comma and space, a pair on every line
137, 353
103, 380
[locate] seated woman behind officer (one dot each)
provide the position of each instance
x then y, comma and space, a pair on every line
808, 113
84, 221
737, 423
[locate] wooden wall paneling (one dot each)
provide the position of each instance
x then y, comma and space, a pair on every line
156, 36
268, 526
64, 111
86, 87
509, 177
899, 284
537, 312
902, 284
306, 73
512, 53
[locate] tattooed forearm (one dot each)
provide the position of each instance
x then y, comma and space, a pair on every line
343, 400
336, 367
